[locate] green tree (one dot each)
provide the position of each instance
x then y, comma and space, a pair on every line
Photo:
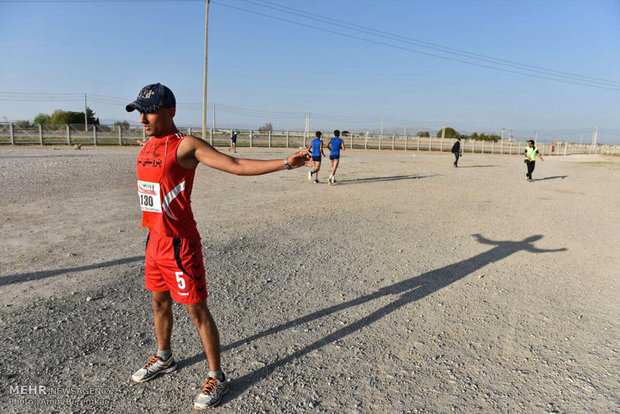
450, 133
60, 117
91, 117
42, 119
423, 134
483, 137
23, 124
266, 127
124, 125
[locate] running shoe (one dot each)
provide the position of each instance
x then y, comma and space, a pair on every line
212, 391
316, 181
154, 367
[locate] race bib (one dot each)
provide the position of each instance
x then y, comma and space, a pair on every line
149, 196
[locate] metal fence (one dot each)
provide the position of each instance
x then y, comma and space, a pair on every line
12, 134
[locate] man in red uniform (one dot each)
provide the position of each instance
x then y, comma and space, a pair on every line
173, 267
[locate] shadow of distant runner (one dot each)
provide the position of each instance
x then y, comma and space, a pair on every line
392, 178
25, 277
409, 290
550, 178
478, 166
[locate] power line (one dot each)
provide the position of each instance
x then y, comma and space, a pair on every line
429, 45
96, 1
395, 46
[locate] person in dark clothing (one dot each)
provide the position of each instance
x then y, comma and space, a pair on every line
233, 140
456, 150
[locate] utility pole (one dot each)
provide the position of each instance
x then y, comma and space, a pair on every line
214, 118
85, 114
381, 128
443, 131
204, 92
594, 136
307, 127
502, 134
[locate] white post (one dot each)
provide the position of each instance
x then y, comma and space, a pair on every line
473, 145
41, 134
120, 136
565, 148
393, 137
366, 141
443, 131
68, 135
269, 138
381, 136
418, 143
211, 136
441, 145
510, 147
430, 143
251, 138
95, 134
502, 134
482, 147
406, 142
492, 147
287, 139
351, 136
12, 133
501, 147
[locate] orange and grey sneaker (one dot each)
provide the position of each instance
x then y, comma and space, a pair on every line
154, 367
212, 391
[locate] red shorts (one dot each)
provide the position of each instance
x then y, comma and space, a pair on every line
175, 265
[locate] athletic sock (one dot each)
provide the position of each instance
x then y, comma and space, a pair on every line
217, 374
164, 355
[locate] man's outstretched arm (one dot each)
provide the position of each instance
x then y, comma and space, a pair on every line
193, 151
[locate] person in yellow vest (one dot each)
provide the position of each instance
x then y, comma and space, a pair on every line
531, 152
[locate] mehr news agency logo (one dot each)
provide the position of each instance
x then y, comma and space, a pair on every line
32, 395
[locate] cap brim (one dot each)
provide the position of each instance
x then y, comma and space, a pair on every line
144, 107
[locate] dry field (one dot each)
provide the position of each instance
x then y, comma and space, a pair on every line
411, 286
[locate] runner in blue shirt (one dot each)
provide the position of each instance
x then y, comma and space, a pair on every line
316, 149
335, 146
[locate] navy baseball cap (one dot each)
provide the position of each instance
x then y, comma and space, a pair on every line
151, 98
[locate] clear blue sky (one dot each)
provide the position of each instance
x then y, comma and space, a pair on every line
261, 64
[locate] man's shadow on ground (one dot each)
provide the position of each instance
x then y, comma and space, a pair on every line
410, 290
25, 277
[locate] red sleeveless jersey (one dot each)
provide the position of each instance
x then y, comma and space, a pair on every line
165, 188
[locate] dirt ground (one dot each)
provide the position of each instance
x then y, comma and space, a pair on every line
411, 286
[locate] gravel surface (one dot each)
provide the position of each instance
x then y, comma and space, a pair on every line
411, 286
